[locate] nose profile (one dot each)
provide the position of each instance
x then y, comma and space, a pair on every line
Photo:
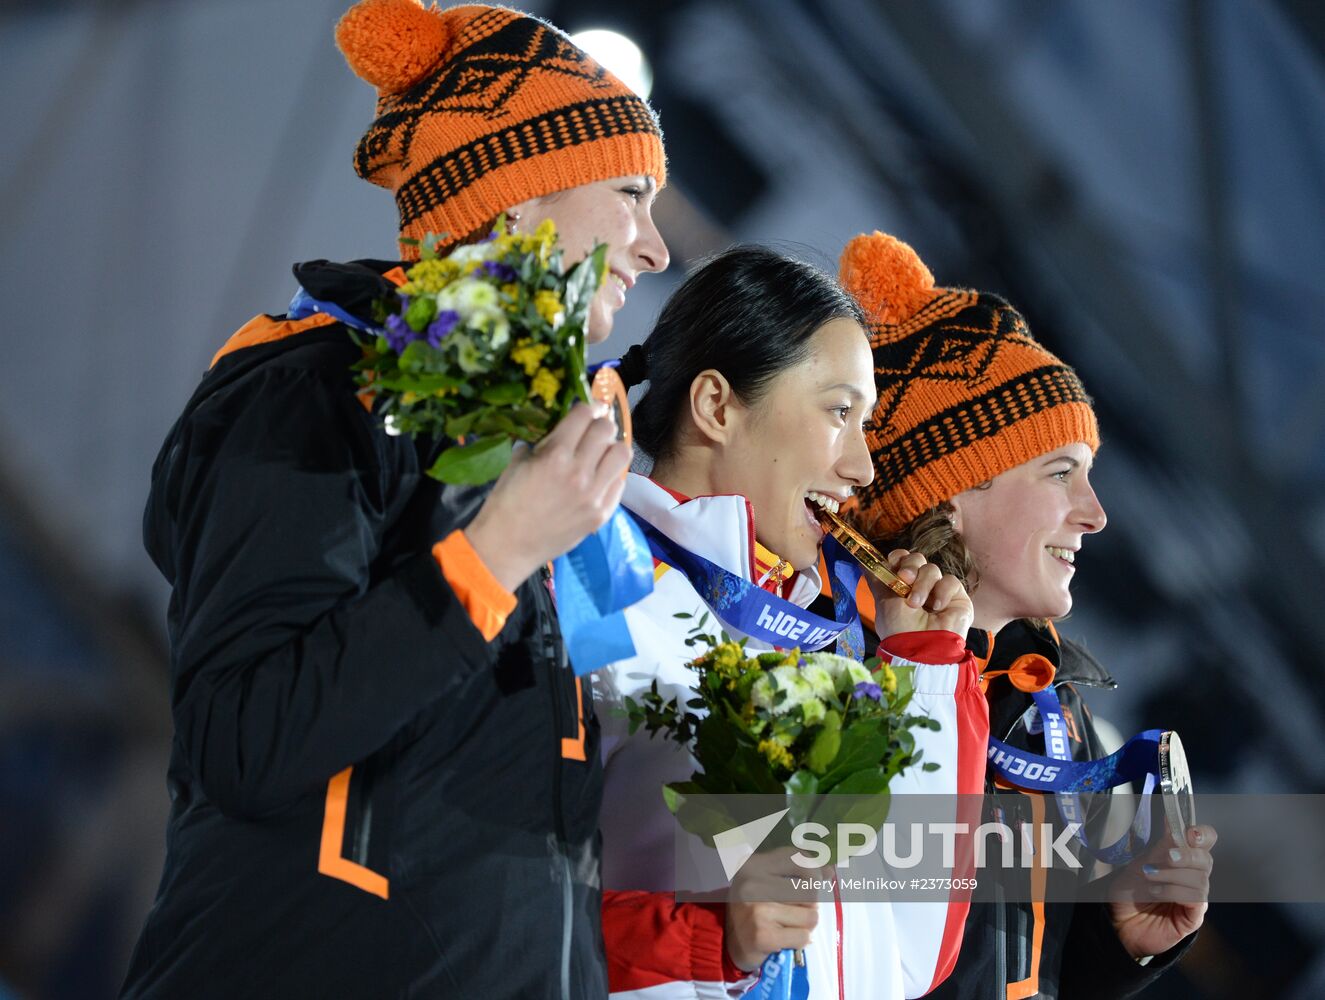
650, 249
1090, 514
857, 466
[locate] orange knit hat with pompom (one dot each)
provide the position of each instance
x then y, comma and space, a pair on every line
965, 391
480, 108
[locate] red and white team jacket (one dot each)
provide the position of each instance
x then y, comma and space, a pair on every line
658, 949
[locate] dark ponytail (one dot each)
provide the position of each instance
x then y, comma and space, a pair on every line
749, 313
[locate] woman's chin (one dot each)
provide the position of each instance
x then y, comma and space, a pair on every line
598, 324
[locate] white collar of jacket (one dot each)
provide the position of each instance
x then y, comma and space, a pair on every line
719, 528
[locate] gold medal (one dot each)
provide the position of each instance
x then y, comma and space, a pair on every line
864, 553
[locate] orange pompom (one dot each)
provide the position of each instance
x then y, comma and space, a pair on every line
393, 44
886, 276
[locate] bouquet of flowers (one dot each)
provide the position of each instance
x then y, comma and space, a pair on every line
786, 723
483, 346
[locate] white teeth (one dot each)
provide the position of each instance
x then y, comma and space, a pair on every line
1067, 555
827, 503
619, 280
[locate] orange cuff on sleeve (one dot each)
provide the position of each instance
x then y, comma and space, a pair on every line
486, 600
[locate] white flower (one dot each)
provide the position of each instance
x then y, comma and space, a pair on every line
474, 297
470, 252
468, 297
788, 679
467, 353
838, 666
820, 679
813, 711
494, 323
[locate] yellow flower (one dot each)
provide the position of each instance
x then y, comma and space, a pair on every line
776, 754
428, 277
409, 398
886, 679
541, 240
529, 354
546, 384
727, 659
511, 290
548, 304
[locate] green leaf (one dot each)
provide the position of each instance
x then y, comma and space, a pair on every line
505, 394
827, 743
905, 686
473, 464
493, 421
424, 385
752, 773
702, 814
532, 416
864, 745
868, 781
458, 427
417, 356
802, 783
582, 283
715, 743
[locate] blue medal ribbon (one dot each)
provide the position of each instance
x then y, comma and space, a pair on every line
750, 610
596, 581
1065, 778
844, 576
304, 305
780, 978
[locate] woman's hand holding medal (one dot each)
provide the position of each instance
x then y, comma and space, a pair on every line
1161, 897
937, 601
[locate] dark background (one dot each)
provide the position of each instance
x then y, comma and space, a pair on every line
1145, 180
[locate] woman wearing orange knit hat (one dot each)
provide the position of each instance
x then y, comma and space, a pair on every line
385, 779
982, 443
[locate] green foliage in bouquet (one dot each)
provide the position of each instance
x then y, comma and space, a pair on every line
786, 723
483, 347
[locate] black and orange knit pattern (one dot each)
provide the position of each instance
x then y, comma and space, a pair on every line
965, 391
480, 108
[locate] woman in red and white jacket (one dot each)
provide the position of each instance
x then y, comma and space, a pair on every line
760, 378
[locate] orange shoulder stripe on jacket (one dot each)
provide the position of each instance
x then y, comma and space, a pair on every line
262, 329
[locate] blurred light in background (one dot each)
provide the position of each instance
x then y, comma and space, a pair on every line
621, 56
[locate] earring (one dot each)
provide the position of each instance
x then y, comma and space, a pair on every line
513, 221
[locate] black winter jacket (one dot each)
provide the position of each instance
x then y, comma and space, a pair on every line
1079, 956
367, 799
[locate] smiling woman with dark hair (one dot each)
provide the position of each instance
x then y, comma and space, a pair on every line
759, 384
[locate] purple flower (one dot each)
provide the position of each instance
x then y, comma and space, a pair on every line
441, 326
398, 333
502, 272
868, 689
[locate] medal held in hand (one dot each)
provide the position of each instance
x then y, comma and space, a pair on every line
1175, 785
864, 553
